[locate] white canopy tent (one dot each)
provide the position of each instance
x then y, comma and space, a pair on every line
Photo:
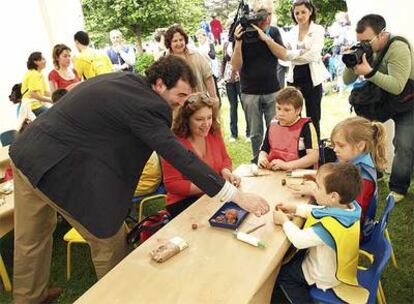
28, 26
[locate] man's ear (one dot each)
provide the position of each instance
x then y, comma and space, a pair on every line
159, 86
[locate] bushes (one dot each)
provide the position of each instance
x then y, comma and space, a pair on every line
143, 62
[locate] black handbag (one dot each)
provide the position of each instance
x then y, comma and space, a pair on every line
372, 102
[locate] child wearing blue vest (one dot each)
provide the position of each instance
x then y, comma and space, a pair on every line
291, 142
362, 143
329, 241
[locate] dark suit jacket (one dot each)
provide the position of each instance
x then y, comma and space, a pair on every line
87, 152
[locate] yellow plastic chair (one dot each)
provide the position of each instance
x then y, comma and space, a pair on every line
150, 200
4, 276
72, 237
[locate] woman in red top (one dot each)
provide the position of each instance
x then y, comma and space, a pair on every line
62, 76
197, 127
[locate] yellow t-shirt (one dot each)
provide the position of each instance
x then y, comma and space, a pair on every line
33, 81
90, 63
151, 176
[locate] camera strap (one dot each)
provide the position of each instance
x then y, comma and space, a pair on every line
385, 50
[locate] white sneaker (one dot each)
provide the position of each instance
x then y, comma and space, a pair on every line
398, 197
232, 139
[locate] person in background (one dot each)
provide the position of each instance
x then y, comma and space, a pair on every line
344, 37
160, 49
256, 62
122, 56
291, 142
176, 41
34, 87
205, 26
63, 76
329, 242
197, 127
232, 80
216, 29
303, 50
89, 62
206, 48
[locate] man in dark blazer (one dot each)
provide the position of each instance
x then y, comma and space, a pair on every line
84, 157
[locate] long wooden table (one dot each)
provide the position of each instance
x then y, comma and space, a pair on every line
215, 268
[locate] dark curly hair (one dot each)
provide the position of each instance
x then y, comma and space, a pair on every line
309, 5
35, 56
170, 34
57, 50
171, 69
181, 123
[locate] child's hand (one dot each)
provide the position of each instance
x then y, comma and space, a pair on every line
263, 162
286, 208
279, 217
308, 188
278, 164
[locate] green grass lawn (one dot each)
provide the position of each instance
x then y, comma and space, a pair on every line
398, 283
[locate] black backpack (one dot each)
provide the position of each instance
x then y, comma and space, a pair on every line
370, 101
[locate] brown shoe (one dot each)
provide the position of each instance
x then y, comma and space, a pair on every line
52, 294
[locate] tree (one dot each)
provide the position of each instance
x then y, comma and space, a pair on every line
138, 18
326, 10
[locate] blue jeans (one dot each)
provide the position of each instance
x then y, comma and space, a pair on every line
292, 281
402, 165
39, 111
233, 94
257, 106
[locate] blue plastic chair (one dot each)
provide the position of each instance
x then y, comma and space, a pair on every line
367, 278
368, 245
8, 137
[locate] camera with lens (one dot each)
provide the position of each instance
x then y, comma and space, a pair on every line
246, 19
354, 55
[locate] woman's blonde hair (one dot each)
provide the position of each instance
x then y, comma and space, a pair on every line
357, 129
181, 123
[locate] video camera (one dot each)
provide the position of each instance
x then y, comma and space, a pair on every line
246, 19
354, 55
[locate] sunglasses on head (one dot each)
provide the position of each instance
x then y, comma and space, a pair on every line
204, 97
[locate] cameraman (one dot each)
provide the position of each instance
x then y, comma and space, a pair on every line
258, 74
394, 71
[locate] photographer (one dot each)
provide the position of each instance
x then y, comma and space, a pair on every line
257, 64
395, 69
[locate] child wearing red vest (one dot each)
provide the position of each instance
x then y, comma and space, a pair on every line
291, 142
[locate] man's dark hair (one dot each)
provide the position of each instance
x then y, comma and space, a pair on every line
343, 178
170, 34
374, 21
31, 64
308, 4
170, 69
58, 94
82, 37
